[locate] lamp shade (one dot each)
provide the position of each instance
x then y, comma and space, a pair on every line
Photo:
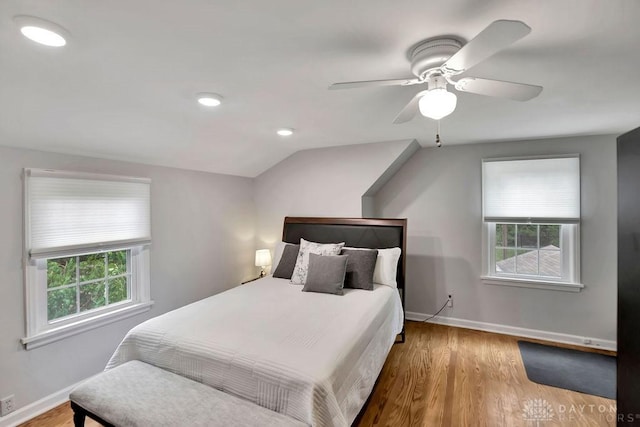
263, 257
437, 103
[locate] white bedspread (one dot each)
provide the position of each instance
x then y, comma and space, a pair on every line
314, 357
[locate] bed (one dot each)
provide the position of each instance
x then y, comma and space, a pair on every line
311, 356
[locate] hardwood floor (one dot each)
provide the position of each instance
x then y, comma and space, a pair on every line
444, 376
60, 416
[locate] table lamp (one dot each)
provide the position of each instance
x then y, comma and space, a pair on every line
263, 259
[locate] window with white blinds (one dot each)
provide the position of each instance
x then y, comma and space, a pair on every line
531, 215
87, 255
531, 190
71, 213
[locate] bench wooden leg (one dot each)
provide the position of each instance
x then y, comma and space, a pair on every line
78, 415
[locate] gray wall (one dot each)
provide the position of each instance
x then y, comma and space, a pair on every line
321, 182
438, 190
203, 229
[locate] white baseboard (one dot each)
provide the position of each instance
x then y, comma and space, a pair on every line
34, 409
516, 331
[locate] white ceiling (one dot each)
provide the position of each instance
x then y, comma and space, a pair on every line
124, 86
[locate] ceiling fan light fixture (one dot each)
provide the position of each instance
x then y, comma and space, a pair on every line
437, 103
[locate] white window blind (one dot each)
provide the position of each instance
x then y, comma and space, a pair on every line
68, 213
531, 190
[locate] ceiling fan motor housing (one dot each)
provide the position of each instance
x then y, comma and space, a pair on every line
436, 81
428, 56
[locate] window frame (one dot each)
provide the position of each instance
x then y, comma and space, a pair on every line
570, 253
41, 331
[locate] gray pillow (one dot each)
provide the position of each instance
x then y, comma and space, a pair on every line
360, 267
287, 263
326, 274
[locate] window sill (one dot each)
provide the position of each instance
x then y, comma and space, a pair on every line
536, 284
80, 326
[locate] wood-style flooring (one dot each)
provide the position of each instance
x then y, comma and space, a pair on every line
445, 376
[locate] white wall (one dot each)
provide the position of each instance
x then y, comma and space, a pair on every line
438, 190
321, 182
203, 230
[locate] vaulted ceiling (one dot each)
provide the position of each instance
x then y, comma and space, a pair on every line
124, 87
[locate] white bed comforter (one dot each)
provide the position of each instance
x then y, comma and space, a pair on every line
313, 357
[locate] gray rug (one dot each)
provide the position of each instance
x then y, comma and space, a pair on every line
581, 371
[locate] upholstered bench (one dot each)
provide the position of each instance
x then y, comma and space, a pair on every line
136, 394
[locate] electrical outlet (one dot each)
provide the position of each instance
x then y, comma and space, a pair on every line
450, 301
6, 406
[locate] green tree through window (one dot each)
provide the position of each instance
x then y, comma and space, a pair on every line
86, 282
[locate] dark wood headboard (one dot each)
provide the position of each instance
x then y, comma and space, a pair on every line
355, 232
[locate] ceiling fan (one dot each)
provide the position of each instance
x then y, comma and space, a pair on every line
437, 62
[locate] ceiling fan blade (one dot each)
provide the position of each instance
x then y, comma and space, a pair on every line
498, 88
494, 38
409, 111
371, 83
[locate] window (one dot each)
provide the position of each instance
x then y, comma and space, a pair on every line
531, 213
86, 251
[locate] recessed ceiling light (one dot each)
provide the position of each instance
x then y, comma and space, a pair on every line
209, 99
41, 31
285, 132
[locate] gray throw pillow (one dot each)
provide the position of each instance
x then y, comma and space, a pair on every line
287, 263
360, 267
326, 274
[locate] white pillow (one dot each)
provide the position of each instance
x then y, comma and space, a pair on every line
387, 267
301, 269
277, 255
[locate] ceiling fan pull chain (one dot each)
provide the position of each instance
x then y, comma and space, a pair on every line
438, 143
